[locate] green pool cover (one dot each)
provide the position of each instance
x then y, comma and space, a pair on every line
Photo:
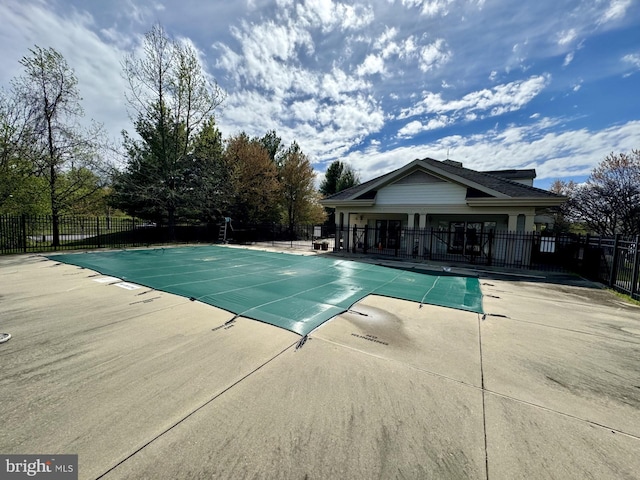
294, 292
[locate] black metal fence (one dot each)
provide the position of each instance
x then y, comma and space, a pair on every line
613, 261
277, 234
530, 250
35, 233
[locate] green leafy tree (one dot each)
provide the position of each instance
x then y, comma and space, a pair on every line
329, 185
152, 185
172, 100
299, 196
348, 179
339, 176
209, 174
255, 189
87, 192
272, 144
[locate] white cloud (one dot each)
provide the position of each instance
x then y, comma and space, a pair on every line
430, 8
385, 38
354, 17
336, 83
336, 75
553, 154
408, 48
415, 127
139, 13
304, 111
616, 10
372, 64
96, 62
434, 55
568, 59
269, 57
329, 15
410, 129
632, 59
566, 37
495, 101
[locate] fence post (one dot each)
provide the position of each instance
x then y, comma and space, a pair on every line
98, 230
366, 239
23, 228
490, 252
431, 244
586, 256
614, 262
636, 267
355, 236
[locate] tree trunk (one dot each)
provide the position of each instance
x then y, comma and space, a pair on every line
172, 224
55, 210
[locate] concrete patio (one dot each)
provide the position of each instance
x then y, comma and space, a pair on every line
144, 384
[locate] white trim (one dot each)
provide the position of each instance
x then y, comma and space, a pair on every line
515, 202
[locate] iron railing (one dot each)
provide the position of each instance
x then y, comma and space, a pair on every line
35, 233
613, 261
531, 250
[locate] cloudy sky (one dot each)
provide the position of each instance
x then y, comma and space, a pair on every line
546, 84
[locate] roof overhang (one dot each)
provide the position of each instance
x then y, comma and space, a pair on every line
348, 203
516, 202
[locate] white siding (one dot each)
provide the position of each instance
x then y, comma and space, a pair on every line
422, 194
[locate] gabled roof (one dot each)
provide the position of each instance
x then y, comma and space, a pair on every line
528, 174
481, 186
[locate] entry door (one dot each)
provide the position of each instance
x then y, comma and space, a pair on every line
388, 233
465, 237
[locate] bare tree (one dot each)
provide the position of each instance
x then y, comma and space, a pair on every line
50, 98
609, 201
16, 141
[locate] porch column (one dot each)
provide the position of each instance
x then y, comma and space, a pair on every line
422, 237
342, 229
513, 223
529, 223
529, 228
411, 239
411, 220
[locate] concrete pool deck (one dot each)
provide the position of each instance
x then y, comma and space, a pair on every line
145, 384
